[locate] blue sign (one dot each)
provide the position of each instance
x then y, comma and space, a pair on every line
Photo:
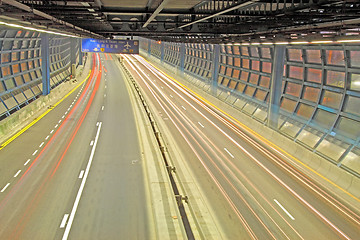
110, 46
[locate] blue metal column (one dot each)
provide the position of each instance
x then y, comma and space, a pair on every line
275, 89
80, 53
149, 47
215, 67
182, 57
162, 49
73, 56
45, 63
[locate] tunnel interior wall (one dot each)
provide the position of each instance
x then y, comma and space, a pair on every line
319, 96
20, 67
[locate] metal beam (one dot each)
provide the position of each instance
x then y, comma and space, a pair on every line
45, 63
237, 6
156, 12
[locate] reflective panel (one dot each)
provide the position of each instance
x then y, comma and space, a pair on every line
335, 57
244, 51
244, 75
355, 58
266, 67
336, 79
296, 72
260, 95
288, 105
293, 89
352, 105
323, 118
249, 91
265, 53
305, 110
255, 65
314, 75
313, 56
265, 81
348, 127
254, 78
331, 99
355, 82
246, 63
311, 94
295, 55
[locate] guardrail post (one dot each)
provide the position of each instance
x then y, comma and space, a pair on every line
275, 89
45, 63
215, 67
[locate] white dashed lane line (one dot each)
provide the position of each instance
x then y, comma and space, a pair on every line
18, 172
26, 162
183, 108
51, 131
201, 124
81, 174
59, 121
91, 143
64, 220
56, 125
47, 137
102, 108
35, 152
41, 144
4, 188
171, 96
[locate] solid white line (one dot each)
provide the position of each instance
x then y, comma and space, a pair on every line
201, 124
276, 201
63, 222
102, 108
35, 152
78, 196
17, 173
183, 107
52, 131
56, 125
229, 152
91, 143
47, 137
26, 162
4, 188
41, 144
81, 174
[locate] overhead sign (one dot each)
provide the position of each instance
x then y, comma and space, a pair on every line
110, 46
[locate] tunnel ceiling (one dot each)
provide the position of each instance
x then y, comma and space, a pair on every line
210, 21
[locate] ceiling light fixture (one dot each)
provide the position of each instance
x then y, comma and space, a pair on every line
36, 29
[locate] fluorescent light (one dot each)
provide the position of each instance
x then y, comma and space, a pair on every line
245, 44
298, 42
256, 43
348, 40
236, 44
326, 41
35, 29
281, 43
267, 43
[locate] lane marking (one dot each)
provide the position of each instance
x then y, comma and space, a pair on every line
4, 188
91, 143
81, 174
51, 131
97, 124
18, 172
276, 201
35, 152
78, 196
201, 124
66, 112
183, 108
102, 108
105, 86
59, 121
26, 162
171, 96
229, 153
162, 87
56, 125
63, 116
63, 222
104, 95
41, 144
47, 137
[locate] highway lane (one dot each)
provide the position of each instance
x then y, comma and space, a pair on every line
261, 196
114, 204
53, 157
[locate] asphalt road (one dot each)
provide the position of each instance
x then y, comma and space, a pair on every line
254, 193
77, 173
